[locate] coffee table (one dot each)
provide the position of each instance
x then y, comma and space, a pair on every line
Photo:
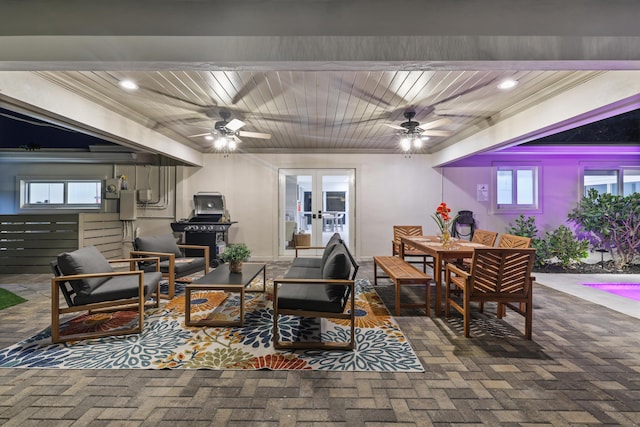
221, 279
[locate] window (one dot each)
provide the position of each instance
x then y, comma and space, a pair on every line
60, 194
515, 188
618, 181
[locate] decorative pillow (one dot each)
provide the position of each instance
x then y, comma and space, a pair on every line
84, 261
165, 243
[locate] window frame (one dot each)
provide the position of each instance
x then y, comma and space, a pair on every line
24, 205
515, 208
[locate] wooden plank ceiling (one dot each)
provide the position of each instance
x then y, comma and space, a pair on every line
317, 111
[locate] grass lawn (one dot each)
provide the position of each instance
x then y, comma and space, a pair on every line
7, 299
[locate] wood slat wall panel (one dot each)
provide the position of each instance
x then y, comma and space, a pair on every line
29, 242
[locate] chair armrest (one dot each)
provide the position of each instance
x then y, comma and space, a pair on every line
205, 249
138, 254
452, 268
132, 261
307, 247
93, 275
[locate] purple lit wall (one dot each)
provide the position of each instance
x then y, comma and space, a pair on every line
561, 186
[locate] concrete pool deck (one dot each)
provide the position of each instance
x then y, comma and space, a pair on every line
572, 284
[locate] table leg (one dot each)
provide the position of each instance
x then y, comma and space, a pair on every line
437, 278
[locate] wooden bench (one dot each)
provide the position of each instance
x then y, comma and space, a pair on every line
401, 273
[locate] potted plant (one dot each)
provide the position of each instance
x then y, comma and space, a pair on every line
235, 255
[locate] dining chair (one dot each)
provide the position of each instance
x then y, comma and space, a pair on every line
411, 254
501, 275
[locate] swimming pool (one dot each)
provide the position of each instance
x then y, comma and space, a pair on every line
627, 290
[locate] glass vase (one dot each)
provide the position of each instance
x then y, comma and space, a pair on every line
446, 238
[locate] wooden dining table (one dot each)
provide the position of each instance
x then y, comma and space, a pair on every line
432, 245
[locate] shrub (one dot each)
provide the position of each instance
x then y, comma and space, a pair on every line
526, 227
613, 221
562, 244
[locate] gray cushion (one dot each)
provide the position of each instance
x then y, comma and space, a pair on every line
307, 262
120, 287
164, 243
180, 268
84, 261
296, 272
338, 265
296, 296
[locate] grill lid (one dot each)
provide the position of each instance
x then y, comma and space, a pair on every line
209, 204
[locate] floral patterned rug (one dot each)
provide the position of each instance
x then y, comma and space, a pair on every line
166, 343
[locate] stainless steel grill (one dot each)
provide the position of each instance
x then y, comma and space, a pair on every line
209, 225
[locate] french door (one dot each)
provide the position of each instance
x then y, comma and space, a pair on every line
314, 204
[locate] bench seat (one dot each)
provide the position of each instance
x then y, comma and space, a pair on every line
402, 273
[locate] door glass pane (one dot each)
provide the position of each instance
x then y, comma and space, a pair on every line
297, 211
335, 213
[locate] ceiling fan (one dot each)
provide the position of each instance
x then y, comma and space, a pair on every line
231, 129
413, 128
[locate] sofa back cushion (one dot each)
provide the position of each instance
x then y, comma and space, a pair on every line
330, 246
337, 264
165, 243
86, 260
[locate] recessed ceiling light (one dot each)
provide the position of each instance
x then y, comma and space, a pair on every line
507, 84
128, 84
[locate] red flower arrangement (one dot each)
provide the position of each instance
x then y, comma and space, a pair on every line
443, 217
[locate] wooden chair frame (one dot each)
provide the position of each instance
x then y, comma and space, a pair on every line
513, 241
60, 284
170, 275
501, 275
349, 315
484, 237
411, 254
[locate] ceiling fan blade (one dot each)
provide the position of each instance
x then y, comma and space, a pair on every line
234, 125
435, 124
254, 134
464, 92
434, 132
391, 125
200, 134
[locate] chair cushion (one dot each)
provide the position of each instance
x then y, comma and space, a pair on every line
120, 287
164, 243
84, 261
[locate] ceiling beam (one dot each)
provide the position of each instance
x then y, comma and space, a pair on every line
612, 93
55, 104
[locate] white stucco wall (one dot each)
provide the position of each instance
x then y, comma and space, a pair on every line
389, 190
